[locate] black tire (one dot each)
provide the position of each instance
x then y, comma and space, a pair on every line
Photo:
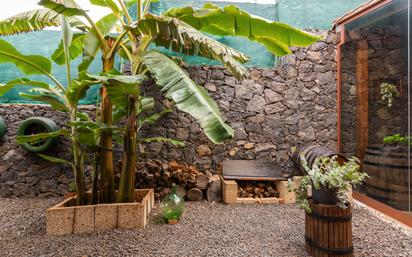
3, 127
45, 126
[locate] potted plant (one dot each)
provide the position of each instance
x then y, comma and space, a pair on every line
397, 140
330, 181
388, 93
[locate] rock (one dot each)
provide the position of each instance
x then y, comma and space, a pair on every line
272, 97
218, 75
383, 114
249, 146
264, 147
211, 87
204, 150
277, 87
257, 104
20, 189
314, 56
326, 78
258, 119
5, 191
155, 147
307, 135
243, 92
233, 151
255, 74
275, 108
224, 105
182, 133
48, 185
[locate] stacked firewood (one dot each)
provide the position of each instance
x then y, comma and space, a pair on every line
191, 183
256, 189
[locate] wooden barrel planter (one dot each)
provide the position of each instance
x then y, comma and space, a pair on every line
311, 153
389, 175
328, 231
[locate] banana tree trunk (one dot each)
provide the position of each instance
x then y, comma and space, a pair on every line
79, 174
106, 154
128, 172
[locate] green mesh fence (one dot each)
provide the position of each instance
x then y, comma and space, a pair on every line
305, 14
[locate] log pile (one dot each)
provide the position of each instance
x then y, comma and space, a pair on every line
252, 189
192, 184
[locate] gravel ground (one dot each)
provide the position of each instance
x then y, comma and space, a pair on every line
205, 230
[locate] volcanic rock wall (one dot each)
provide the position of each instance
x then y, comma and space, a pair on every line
275, 109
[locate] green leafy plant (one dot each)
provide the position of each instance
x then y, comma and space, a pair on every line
397, 139
179, 29
327, 172
388, 93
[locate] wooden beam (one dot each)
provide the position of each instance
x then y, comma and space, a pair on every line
362, 101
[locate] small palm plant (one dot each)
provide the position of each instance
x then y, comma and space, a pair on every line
178, 29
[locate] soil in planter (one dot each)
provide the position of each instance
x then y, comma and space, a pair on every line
34, 129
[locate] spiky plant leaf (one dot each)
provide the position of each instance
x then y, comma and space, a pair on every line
178, 36
176, 85
231, 21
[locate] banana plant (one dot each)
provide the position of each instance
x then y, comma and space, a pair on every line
59, 97
178, 29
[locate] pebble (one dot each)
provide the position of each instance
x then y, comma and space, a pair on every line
206, 229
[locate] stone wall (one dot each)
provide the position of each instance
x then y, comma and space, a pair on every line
273, 110
387, 62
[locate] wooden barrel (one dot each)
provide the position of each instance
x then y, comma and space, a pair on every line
328, 231
311, 153
389, 175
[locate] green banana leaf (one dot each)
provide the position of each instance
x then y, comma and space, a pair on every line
66, 7
176, 85
54, 159
162, 139
4, 88
75, 49
45, 98
178, 36
231, 21
91, 44
34, 20
41, 136
154, 117
78, 89
28, 64
107, 3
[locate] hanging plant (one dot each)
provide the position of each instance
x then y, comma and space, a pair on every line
388, 93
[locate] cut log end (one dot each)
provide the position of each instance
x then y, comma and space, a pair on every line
194, 194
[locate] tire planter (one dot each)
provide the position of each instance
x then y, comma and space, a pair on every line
37, 125
3, 127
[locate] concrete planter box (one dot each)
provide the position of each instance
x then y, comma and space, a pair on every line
65, 218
